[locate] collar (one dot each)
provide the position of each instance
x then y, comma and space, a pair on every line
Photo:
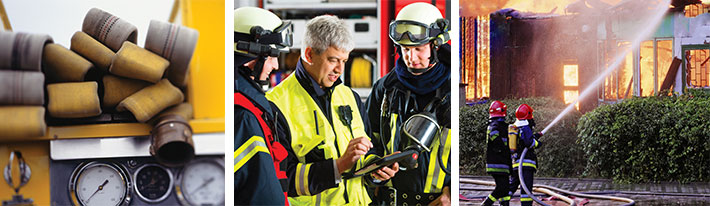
520, 123
310, 84
245, 85
497, 119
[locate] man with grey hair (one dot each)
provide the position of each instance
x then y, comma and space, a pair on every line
327, 132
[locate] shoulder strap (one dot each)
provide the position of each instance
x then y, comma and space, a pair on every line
277, 151
242, 101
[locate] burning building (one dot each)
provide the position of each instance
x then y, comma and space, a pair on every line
512, 53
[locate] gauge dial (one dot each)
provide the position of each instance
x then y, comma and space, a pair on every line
152, 182
100, 184
202, 183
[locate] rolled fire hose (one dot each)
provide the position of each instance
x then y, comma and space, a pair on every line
108, 29
541, 190
134, 62
176, 44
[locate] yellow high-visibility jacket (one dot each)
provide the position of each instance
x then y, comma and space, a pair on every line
316, 143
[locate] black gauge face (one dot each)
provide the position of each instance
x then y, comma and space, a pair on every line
153, 183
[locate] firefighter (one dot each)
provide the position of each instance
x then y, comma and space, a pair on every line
498, 162
259, 170
521, 132
421, 77
328, 135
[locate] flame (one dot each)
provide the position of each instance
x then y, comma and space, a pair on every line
646, 68
477, 75
570, 75
570, 96
484, 63
626, 85
699, 69
571, 79
665, 58
470, 8
547, 6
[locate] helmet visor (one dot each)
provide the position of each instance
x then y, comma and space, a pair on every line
414, 31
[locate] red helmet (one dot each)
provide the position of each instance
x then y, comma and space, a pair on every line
523, 112
497, 109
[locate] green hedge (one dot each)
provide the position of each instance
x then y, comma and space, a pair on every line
649, 139
559, 156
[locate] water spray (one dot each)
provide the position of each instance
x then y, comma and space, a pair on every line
647, 30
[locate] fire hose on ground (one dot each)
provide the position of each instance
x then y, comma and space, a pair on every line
549, 190
628, 201
541, 190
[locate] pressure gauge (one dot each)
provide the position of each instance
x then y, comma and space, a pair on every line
201, 182
97, 183
152, 182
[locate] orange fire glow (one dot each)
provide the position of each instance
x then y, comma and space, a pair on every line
646, 68
484, 63
665, 58
571, 79
476, 75
483, 7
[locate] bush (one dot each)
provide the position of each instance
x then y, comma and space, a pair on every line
559, 155
649, 139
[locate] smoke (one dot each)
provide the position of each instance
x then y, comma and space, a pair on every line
635, 21
484, 7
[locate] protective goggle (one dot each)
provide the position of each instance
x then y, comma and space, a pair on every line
265, 42
285, 31
418, 33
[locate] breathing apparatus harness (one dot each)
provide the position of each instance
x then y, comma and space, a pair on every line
261, 43
419, 129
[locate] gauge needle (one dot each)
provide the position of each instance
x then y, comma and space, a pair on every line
205, 183
152, 181
101, 187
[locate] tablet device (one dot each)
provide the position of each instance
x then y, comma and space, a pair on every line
380, 163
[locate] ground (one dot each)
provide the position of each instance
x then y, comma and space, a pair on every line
643, 194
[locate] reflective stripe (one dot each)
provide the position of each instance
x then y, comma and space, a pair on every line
502, 166
435, 177
248, 150
302, 179
492, 198
527, 199
497, 170
526, 161
525, 164
318, 199
506, 198
535, 143
393, 128
492, 135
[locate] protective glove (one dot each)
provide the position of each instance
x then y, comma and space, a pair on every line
539, 144
537, 135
